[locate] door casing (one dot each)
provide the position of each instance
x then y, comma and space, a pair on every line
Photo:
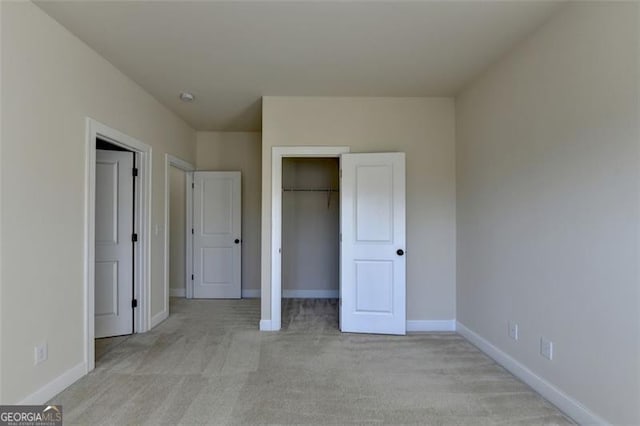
142, 282
277, 154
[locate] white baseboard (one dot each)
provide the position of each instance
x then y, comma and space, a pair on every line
57, 385
177, 292
265, 325
431, 325
251, 293
310, 294
564, 402
437, 325
295, 294
158, 318
256, 293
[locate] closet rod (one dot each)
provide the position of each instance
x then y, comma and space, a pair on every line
309, 190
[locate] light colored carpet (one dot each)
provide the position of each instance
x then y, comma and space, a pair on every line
106, 344
208, 364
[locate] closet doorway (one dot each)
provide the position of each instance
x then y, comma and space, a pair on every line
310, 242
372, 236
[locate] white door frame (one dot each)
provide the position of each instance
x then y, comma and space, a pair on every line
188, 168
277, 154
142, 281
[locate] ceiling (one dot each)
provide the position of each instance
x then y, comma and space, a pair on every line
229, 54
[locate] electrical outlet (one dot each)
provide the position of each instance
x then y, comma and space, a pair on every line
546, 348
41, 353
513, 330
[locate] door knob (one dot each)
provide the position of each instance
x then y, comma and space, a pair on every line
237, 241
400, 252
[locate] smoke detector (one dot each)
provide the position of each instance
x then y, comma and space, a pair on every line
187, 97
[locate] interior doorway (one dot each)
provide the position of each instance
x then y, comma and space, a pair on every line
310, 242
115, 239
372, 239
117, 218
178, 214
278, 154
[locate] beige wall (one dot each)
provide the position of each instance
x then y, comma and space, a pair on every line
177, 226
548, 212
421, 127
51, 81
231, 151
310, 225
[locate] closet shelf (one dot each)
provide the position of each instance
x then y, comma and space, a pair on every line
310, 190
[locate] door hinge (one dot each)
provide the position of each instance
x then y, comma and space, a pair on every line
134, 238
191, 277
134, 303
192, 231
340, 173
193, 185
134, 172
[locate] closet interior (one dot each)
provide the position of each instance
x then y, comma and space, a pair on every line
310, 241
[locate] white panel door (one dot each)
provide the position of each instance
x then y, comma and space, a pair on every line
114, 247
217, 235
372, 261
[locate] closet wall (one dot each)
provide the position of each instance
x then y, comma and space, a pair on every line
310, 227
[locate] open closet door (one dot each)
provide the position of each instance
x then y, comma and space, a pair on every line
372, 261
216, 235
114, 246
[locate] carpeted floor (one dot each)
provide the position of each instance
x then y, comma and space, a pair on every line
208, 364
106, 344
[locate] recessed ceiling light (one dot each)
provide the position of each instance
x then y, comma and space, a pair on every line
187, 97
